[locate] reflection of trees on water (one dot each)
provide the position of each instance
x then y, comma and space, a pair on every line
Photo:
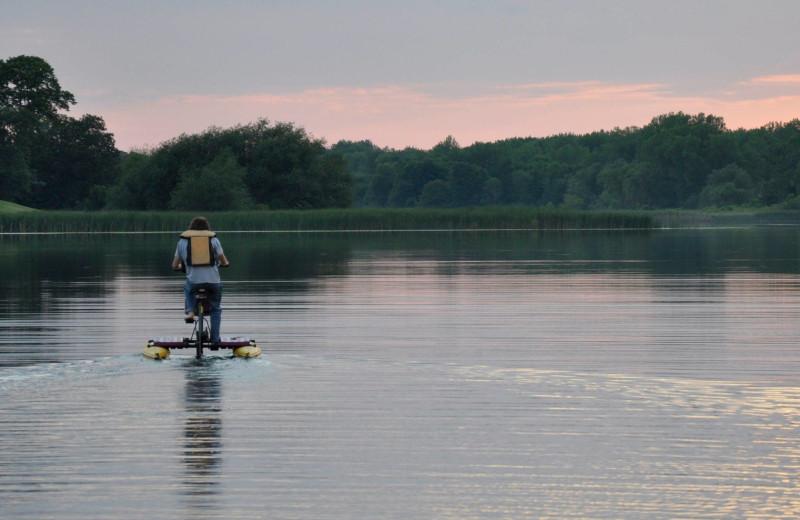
202, 437
40, 269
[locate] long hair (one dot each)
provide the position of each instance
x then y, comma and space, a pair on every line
200, 224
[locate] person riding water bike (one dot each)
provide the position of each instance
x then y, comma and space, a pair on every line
199, 253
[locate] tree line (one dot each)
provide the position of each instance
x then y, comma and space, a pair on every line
254, 166
676, 161
52, 161
49, 160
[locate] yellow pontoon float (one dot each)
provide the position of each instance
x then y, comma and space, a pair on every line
159, 348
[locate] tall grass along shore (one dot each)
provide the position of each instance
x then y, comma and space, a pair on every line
326, 220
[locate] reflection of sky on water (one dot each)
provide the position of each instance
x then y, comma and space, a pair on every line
448, 376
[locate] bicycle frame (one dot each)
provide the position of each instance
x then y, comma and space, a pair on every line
160, 347
201, 328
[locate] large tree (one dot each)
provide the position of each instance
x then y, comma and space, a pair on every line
74, 162
216, 187
262, 165
48, 159
30, 97
28, 83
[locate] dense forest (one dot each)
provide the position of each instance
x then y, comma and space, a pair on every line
52, 161
676, 161
246, 167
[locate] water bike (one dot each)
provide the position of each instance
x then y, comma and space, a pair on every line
159, 348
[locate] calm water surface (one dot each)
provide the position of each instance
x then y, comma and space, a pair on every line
407, 376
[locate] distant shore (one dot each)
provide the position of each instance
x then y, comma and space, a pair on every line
18, 220
383, 219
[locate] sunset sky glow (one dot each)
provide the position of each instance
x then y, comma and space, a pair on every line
411, 73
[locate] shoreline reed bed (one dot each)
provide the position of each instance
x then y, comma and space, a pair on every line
359, 219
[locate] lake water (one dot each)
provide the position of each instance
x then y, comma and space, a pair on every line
636, 375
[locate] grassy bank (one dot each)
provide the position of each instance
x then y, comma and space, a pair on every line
9, 208
327, 220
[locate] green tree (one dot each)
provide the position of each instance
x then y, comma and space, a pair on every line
75, 157
29, 84
682, 150
447, 149
554, 182
582, 190
283, 168
380, 185
30, 97
362, 161
16, 178
779, 147
47, 159
218, 186
467, 181
492, 191
290, 170
435, 194
626, 186
335, 182
130, 191
728, 186
412, 179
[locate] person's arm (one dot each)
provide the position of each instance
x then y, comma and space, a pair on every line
176, 264
223, 261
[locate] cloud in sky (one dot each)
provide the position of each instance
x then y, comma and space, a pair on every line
411, 72
780, 78
418, 115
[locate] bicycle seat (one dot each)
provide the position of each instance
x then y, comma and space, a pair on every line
201, 300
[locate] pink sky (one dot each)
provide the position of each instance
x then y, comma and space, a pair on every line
400, 116
412, 72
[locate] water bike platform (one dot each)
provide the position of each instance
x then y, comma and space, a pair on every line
159, 348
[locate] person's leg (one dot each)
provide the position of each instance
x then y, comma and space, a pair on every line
188, 298
215, 308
